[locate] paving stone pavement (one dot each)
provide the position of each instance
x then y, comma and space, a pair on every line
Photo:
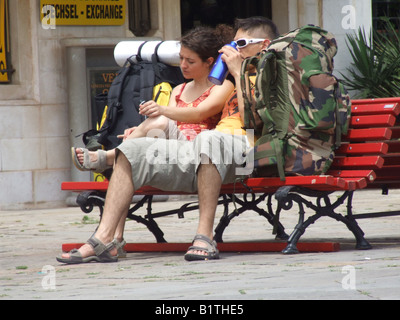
30, 241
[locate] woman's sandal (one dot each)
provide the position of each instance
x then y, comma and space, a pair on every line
102, 253
99, 165
210, 250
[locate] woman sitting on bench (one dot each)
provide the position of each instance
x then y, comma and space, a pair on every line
194, 106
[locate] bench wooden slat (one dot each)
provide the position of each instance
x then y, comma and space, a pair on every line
374, 109
264, 185
102, 187
355, 184
376, 100
369, 107
370, 162
305, 181
84, 186
369, 175
373, 121
368, 148
373, 134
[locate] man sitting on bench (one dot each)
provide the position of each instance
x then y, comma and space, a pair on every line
180, 165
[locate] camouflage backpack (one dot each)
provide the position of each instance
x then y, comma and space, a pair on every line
296, 107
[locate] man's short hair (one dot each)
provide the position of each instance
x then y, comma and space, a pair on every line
259, 26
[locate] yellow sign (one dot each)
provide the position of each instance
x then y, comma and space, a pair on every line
4, 40
82, 12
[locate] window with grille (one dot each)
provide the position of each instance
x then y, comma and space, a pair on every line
389, 9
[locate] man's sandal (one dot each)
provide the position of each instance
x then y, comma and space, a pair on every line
99, 165
102, 253
120, 248
210, 250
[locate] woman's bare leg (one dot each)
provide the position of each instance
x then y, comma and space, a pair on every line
158, 124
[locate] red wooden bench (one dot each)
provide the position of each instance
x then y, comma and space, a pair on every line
369, 157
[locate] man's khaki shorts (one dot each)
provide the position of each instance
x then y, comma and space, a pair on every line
171, 165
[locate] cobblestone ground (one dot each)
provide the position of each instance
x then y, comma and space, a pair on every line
30, 241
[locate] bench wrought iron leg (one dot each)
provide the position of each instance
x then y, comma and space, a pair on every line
89, 199
348, 220
362, 243
149, 222
298, 231
273, 219
225, 219
327, 209
248, 205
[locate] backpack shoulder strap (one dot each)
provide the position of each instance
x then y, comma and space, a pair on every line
147, 81
246, 85
115, 92
115, 96
265, 83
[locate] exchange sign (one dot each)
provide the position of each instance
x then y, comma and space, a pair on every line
82, 12
5, 66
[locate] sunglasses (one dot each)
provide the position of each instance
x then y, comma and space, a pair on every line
241, 43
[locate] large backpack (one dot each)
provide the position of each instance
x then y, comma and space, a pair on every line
297, 108
135, 82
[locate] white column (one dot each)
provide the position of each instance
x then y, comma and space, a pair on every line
77, 102
342, 17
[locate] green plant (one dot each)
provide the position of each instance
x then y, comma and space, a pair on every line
388, 41
375, 70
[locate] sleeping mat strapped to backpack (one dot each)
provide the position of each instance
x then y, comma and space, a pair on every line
135, 82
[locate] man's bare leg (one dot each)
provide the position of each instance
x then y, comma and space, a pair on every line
119, 232
118, 199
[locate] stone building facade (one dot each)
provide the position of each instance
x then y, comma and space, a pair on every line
48, 101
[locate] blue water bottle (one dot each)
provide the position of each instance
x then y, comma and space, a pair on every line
220, 70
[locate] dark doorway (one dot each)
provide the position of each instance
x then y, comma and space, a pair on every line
101, 71
214, 12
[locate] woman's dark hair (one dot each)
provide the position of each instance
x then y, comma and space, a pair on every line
206, 41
